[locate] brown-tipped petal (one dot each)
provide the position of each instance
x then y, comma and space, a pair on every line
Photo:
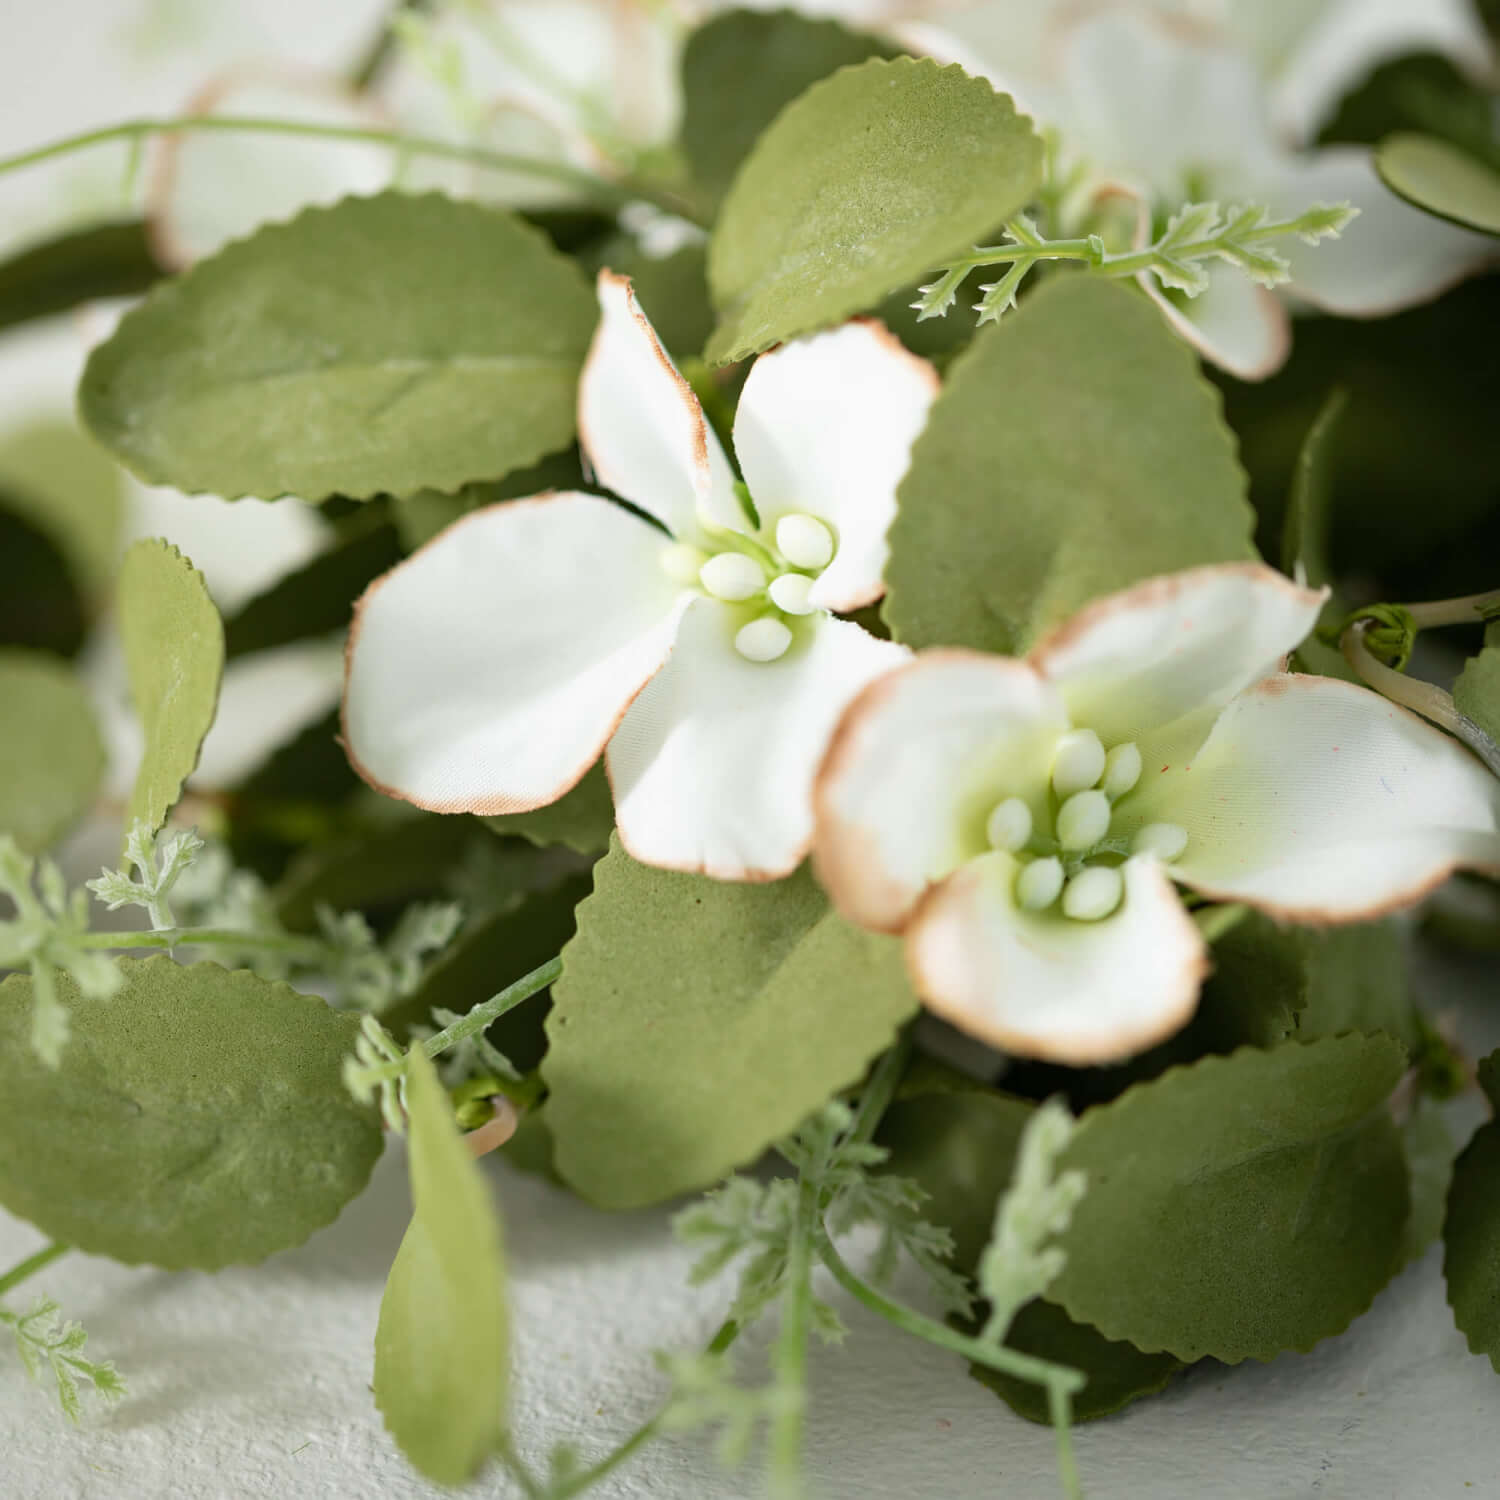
1235, 324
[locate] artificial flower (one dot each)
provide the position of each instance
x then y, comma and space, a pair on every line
488, 671
1023, 821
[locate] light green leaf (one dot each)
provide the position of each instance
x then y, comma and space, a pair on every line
1441, 179
391, 343
871, 178
197, 1119
582, 819
51, 755
1476, 693
174, 653
442, 1356
1240, 1206
1429, 1148
1074, 450
697, 1022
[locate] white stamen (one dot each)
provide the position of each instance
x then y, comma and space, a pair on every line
1122, 769
732, 576
804, 541
1093, 893
789, 593
681, 562
1039, 884
1083, 820
1079, 762
765, 639
1164, 840
1009, 825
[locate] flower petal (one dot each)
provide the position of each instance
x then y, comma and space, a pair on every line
1392, 256
1041, 985
1156, 662
486, 672
1319, 801
825, 426
713, 767
1233, 323
918, 763
641, 425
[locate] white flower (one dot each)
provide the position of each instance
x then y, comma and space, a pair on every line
488, 671
1022, 821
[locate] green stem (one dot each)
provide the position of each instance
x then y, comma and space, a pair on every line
312, 949
495, 1007
30, 1266
1472, 609
1060, 1406
880, 1088
789, 1361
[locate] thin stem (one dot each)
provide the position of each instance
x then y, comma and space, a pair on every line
382, 48
495, 1007
990, 255
1060, 1406
1471, 609
30, 1266
312, 949
517, 1469
880, 1089
789, 1362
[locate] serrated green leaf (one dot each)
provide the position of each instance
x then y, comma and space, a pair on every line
174, 654
1242, 1205
442, 1357
197, 1119
871, 178
1073, 451
109, 260
581, 819
1471, 1230
386, 344
696, 1022
1476, 692
51, 756
1441, 179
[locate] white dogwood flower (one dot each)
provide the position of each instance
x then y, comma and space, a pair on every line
488, 670
1023, 821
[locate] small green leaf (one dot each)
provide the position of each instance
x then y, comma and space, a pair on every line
1442, 180
871, 178
174, 653
51, 757
697, 1022
582, 819
1476, 693
1429, 1148
1240, 1206
1073, 451
386, 344
442, 1356
110, 260
197, 1119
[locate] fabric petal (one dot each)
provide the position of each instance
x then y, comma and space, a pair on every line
825, 426
641, 426
918, 763
1155, 663
712, 768
1041, 985
1233, 323
486, 672
1319, 801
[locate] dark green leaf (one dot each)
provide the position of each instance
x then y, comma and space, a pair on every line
1073, 451
582, 819
41, 608
672, 290
110, 260
1422, 91
391, 343
1442, 180
1471, 1231
198, 1119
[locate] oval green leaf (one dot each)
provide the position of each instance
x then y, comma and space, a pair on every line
442, 1361
1242, 1205
870, 179
696, 1022
198, 1118
174, 654
1074, 450
51, 758
1441, 179
391, 343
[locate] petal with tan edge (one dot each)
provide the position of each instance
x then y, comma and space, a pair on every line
713, 767
918, 763
1041, 985
486, 671
1156, 662
1391, 256
641, 426
1319, 801
825, 426
1232, 323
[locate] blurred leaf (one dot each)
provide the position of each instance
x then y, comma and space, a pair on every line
582, 819
108, 260
419, 517
1471, 1231
672, 290
40, 606
1441, 180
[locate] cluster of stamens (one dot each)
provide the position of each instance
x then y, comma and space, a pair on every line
747, 572
1087, 781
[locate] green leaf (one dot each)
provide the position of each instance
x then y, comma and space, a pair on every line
110, 260
442, 1357
672, 290
1240, 1206
391, 343
1442, 180
174, 653
696, 1022
1429, 1148
871, 178
1073, 451
1471, 1231
51, 756
741, 69
1476, 693
197, 1119
421, 516
582, 819
41, 608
